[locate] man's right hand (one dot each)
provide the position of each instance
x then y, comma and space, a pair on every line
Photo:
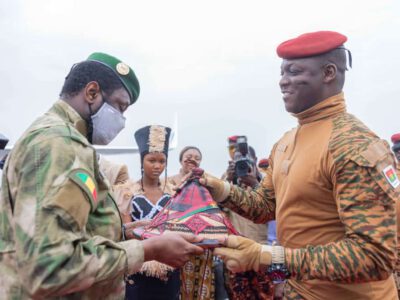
219, 189
172, 249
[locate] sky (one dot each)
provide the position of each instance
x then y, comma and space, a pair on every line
213, 63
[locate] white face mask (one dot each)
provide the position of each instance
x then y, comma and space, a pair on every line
107, 123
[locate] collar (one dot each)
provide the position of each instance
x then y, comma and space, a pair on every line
70, 115
325, 109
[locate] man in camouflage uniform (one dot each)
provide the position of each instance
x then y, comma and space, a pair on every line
60, 230
331, 186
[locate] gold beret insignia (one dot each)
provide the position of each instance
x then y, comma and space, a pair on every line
122, 68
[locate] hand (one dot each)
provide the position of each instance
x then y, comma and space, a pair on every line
242, 254
230, 172
180, 185
248, 181
172, 249
219, 189
132, 225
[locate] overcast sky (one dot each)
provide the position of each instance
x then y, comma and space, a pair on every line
211, 62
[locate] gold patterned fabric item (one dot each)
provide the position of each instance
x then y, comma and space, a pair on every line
197, 277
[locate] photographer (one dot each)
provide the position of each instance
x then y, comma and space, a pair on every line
242, 171
252, 176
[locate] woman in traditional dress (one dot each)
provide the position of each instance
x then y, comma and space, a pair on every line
147, 197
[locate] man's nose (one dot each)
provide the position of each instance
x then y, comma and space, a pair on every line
283, 81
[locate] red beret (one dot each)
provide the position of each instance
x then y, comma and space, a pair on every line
232, 139
396, 138
311, 44
263, 163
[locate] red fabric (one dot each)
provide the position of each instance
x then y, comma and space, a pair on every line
263, 163
396, 138
232, 139
191, 210
310, 44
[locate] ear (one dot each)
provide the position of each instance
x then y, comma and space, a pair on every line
330, 71
92, 92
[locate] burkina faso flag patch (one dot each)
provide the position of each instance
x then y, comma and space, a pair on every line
391, 177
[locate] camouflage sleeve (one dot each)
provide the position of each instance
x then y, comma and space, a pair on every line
258, 204
366, 204
397, 268
55, 254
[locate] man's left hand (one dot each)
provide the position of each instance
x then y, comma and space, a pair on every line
242, 254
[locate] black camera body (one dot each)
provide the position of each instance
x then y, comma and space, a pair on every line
241, 158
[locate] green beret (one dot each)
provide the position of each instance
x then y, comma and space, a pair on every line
122, 70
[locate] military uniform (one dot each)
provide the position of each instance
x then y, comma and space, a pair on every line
331, 188
397, 269
59, 226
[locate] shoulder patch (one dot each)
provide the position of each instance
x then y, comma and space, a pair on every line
375, 152
391, 177
82, 178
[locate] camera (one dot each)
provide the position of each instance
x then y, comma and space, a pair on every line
3, 144
241, 158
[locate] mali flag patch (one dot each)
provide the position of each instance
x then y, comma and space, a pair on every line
86, 182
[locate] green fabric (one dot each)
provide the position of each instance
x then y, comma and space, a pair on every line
82, 176
122, 70
197, 211
79, 177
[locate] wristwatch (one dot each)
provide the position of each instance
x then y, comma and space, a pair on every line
278, 273
277, 270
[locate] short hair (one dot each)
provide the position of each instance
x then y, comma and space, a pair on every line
83, 73
187, 148
338, 58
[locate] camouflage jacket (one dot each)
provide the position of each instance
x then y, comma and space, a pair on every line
59, 225
331, 187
